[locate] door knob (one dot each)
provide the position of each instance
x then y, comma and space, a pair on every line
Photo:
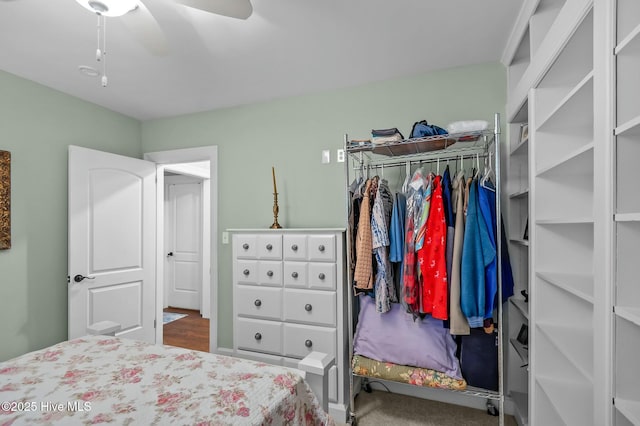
78, 278
170, 254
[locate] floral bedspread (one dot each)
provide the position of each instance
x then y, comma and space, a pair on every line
99, 379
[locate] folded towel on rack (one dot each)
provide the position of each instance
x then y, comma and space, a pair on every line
467, 126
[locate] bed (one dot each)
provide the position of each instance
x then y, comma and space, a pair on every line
394, 346
103, 379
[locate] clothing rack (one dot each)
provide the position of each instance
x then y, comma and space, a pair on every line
364, 157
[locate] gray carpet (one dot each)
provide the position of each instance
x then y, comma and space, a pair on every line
384, 409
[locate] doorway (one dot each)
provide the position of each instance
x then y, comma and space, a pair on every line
186, 162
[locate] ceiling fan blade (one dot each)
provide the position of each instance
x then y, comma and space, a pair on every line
144, 27
240, 9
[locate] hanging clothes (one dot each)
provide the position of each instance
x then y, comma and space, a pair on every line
458, 324
363, 274
355, 199
487, 203
396, 239
451, 221
477, 254
384, 289
432, 257
423, 213
410, 283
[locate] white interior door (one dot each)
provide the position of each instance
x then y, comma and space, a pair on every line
184, 244
111, 243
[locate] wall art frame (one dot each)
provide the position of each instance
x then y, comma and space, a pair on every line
5, 200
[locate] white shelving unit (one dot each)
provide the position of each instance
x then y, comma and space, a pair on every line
626, 299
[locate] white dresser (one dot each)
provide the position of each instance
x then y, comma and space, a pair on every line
290, 299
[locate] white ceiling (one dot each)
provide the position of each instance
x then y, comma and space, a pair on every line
285, 48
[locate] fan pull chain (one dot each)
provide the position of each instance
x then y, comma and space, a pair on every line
101, 51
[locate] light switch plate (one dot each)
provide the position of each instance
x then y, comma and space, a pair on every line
326, 156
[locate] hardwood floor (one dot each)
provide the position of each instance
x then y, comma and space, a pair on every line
190, 332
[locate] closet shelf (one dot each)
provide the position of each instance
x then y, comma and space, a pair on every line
632, 125
582, 85
522, 351
521, 402
565, 159
421, 145
519, 194
521, 305
520, 242
629, 409
565, 221
628, 313
572, 283
627, 217
517, 148
573, 343
633, 36
569, 395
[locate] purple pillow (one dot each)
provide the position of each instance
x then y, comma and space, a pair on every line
395, 337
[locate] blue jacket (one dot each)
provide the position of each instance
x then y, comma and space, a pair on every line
478, 252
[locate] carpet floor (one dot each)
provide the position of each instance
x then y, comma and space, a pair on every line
384, 409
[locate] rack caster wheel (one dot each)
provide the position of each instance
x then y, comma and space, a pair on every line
492, 410
367, 388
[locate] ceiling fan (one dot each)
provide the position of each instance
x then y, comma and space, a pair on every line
139, 20
144, 27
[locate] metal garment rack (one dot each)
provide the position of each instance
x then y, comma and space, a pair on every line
371, 156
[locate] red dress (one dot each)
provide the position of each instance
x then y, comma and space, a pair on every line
432, 258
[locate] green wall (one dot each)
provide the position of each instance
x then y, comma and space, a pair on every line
36, 126
291, 133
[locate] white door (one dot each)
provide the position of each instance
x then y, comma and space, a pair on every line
184, 244
111, 243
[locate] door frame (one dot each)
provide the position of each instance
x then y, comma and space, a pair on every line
187, 155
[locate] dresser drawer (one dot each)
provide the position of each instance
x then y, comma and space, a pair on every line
259, 335
310, 306
259, 302
246, 271
270, 247
301, 340
322, 276
322, 248
295, 274
294, 247
270, 273
245, 246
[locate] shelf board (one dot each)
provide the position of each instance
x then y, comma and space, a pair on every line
521, 305
629, 409
627, 40
520, 242
566, 396
562, 160
571, 342
520, 193
627, 217
571, 283
628, 126
586, 80
521, 350
521, 402
519, 146
630, 314
565, 221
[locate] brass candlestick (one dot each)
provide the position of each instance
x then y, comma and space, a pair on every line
275, 224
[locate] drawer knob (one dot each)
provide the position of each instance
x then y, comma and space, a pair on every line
246, 272
269, 246
269, 273
321, 247
245, 246
258, 302
321, 276
258, 336
308, 307
294, 274
308, 343
294, 247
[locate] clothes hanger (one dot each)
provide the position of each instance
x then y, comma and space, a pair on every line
488, 173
